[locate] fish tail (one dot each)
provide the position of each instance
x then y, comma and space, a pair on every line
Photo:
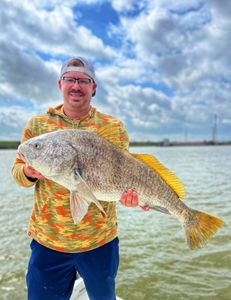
200, 227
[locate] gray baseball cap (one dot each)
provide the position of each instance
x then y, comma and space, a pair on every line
87, 68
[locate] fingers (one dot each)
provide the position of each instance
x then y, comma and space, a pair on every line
145, 207
129, 198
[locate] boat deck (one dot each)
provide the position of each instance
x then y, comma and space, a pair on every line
79, 291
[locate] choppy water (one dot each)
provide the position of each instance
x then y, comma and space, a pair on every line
155, 262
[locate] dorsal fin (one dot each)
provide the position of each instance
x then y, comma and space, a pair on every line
111, 133
168, 176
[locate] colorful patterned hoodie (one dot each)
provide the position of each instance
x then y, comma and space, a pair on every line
51, 223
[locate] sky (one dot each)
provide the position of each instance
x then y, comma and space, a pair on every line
163, 67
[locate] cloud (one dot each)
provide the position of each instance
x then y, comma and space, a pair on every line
177, 49
191, 56
127, 6
164, 66
25, 76
30, 60
12, 121
52, 32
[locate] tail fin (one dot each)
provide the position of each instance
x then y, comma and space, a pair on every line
200, 228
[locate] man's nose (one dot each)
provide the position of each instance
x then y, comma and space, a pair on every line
76, 84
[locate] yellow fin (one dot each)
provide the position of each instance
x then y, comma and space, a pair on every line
200, 228
168, 176
111, 133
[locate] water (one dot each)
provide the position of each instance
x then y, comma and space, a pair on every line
155, 262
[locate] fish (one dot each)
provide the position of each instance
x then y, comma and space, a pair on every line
92, 165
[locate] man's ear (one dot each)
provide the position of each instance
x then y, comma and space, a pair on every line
60, 84
94, 89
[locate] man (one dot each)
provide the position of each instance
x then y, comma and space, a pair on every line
60, 247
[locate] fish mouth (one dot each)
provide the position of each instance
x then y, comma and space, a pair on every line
20, 155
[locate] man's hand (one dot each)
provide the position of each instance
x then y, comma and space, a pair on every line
31, 172
130, 198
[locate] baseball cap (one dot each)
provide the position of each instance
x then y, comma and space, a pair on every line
87, 68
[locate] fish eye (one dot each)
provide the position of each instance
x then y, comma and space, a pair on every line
38, 145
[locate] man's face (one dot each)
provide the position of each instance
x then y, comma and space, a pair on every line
76, 95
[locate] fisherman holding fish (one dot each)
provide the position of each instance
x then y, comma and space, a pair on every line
61, 245
79, 162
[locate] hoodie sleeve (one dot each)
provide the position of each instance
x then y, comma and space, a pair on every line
17, 169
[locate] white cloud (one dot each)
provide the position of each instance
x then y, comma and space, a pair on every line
26, 76
226, 121
178, 5
176, 49
171, 70
30, 34
52, 32
12, 121
128, 5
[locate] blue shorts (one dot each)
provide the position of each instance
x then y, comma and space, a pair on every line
51, 274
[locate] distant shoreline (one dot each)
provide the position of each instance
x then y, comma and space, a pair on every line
15, 144
173, 144
9, 144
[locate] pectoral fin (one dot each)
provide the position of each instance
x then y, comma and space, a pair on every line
79, 207
81, 198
